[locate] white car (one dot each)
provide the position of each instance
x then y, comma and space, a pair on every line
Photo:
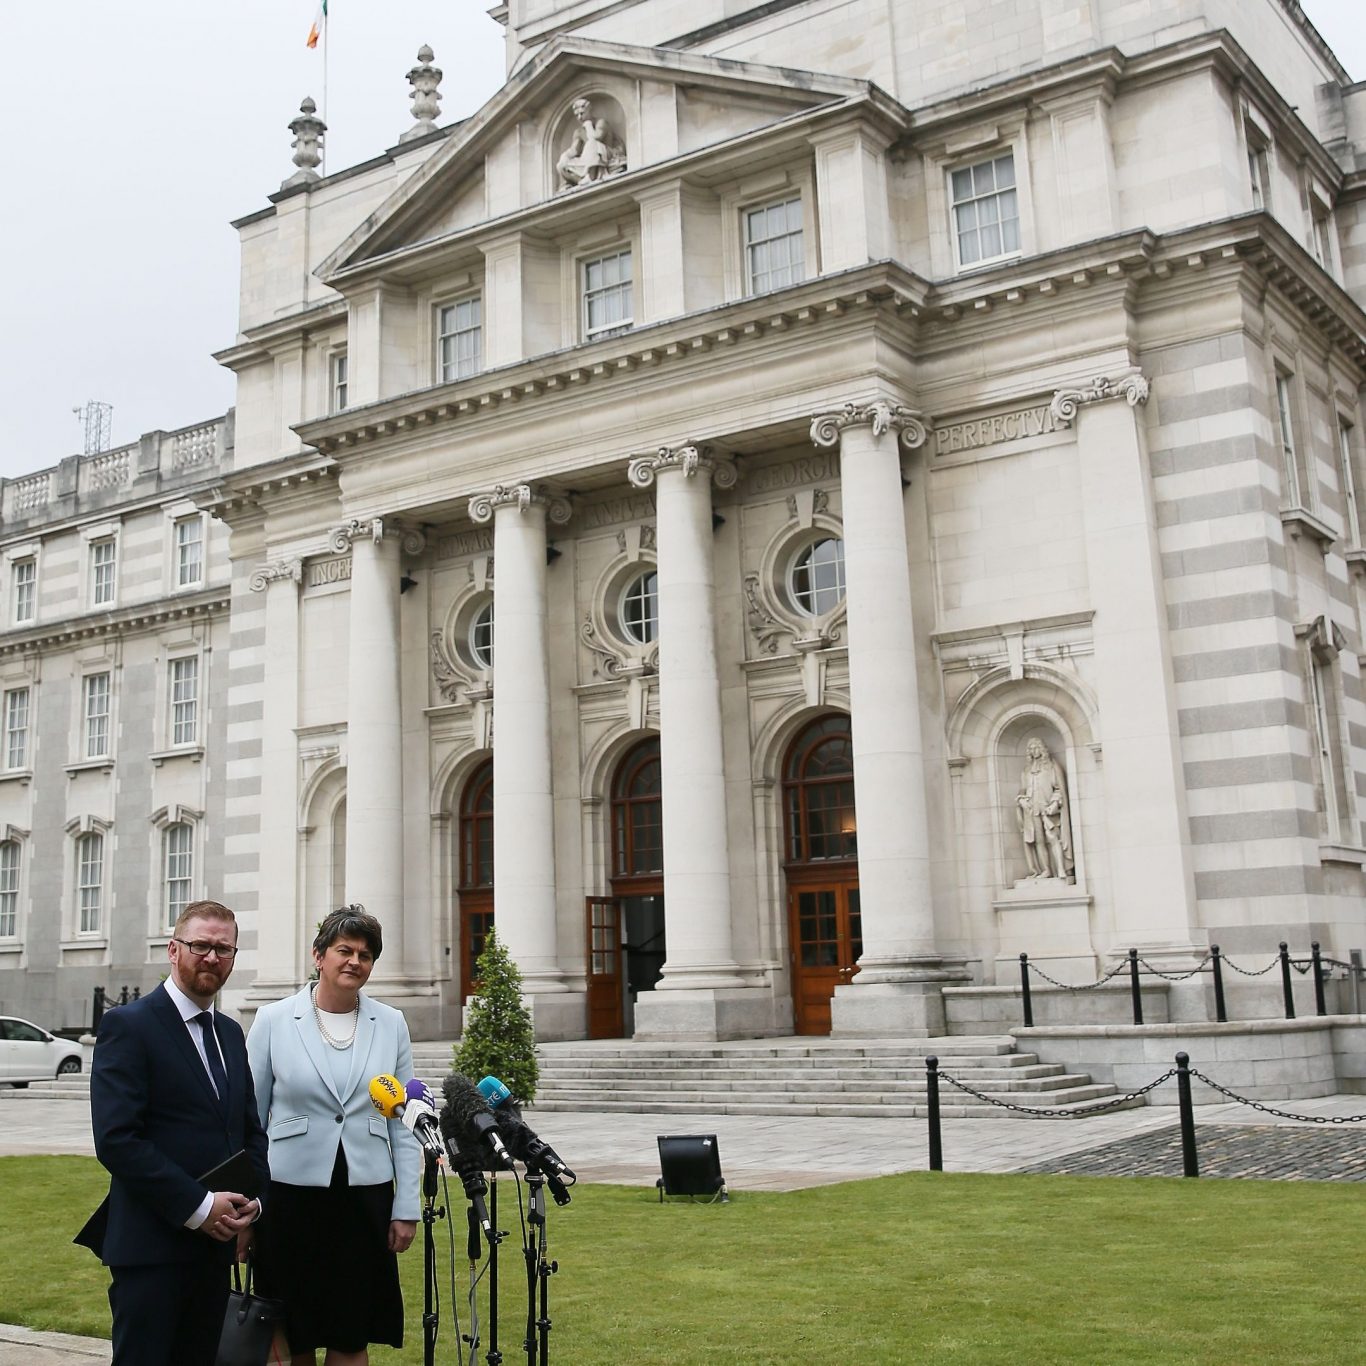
28, 1053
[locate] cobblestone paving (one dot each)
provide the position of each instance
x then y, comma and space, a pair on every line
1262, 1152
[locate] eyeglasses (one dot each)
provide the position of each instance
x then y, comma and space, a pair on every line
202, 948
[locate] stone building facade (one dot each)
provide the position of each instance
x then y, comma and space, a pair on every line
783, 510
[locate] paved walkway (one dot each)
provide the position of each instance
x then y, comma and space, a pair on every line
780, 1154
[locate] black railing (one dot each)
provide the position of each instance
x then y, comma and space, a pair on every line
100, 1002
1214, 962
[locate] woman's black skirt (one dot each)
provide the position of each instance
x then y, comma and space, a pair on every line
324, 1252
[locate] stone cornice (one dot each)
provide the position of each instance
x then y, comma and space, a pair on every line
255, 485
152, 616
260, 342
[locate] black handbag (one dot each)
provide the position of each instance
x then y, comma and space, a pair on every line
248, 1325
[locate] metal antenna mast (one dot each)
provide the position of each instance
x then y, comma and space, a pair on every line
98, 421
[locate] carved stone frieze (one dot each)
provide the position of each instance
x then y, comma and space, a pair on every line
521, 496
274, 571
882, 417
1132, 388
690, 458
766, 628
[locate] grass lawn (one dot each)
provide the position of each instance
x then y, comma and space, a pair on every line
924, 1267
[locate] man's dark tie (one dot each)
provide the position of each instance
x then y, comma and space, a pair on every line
220, 1078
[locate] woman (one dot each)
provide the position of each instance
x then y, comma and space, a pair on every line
343, 1195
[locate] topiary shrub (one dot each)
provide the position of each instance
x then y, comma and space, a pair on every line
499, 1037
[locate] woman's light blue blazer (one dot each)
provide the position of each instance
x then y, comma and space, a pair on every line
304, 1112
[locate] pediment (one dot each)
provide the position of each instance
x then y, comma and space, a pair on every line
582, 114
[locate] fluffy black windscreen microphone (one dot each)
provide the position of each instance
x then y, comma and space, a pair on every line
466, 1118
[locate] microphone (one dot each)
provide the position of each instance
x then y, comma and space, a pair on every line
466, 1117
521, 1137
466, 1165
418, 1116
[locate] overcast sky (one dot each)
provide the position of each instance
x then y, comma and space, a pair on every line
131, 133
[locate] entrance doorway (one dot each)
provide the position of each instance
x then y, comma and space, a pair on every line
825, 932
635, 910
476, 873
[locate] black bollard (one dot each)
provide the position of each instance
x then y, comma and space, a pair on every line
932, 1091
1220, 1010
1320, 1005
1134, 990
1024, 985
1189, 1161
96, 1009
123, 995
1286, 990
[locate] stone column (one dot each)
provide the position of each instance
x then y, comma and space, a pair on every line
1147, 832
697, 910
279, 955
523, 809
374, 740
895, 990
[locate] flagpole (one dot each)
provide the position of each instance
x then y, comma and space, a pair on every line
326, 26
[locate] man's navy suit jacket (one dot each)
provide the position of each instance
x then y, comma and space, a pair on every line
159, 1127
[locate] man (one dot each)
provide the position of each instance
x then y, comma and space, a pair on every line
1043, 817
170, 1099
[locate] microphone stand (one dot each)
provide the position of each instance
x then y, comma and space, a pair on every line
493, 1356
430, 1214
538, 1269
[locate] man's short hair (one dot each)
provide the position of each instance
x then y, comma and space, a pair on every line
350, 922
204, 910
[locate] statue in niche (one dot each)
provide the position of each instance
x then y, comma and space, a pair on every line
594, 152
1044, 817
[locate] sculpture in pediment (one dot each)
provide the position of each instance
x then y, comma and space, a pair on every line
595, 151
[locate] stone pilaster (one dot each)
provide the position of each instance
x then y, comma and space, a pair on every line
523, 810
896, 990
1147, 833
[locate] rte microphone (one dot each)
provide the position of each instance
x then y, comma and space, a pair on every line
524, 1141
468, 1118
419, 1118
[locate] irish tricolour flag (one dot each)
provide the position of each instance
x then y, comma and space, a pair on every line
319, 20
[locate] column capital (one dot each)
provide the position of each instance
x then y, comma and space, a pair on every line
521, 496
414, 542
1132, 387
880, 416
689, 458
275, 570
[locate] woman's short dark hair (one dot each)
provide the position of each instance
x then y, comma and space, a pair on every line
350, 922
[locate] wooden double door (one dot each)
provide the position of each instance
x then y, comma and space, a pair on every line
825, 932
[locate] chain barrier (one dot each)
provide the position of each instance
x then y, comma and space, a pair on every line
1071, 986
1246, 972
1080, 1112
1176, 976
1271, 1109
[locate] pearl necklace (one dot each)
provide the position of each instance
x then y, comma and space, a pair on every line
322, 1028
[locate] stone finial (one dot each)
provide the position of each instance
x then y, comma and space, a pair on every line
425, 80
308, 132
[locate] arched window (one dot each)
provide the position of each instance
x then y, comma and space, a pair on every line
817, 582
481, 636
177, 845
640, 608
637, 814
476, 829
818, 793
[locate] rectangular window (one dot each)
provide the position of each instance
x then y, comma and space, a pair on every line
986, 210
89, 882
9, 889
16, 728
25, 590
1321, 233
189, 551
184, 686
607, 302
1285, 418
339, 381
178, 844
102, 573
773, 246
1351, 510
96, 688
1326, 716
460, 339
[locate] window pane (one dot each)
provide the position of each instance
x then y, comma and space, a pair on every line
460, 341
481, 637
179, 852
985, 210
189, 551
184, 685
25, 589
102, 573
89, 881
818, 577
96, 716
16, 728
9, 889
640, 609
773, 245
